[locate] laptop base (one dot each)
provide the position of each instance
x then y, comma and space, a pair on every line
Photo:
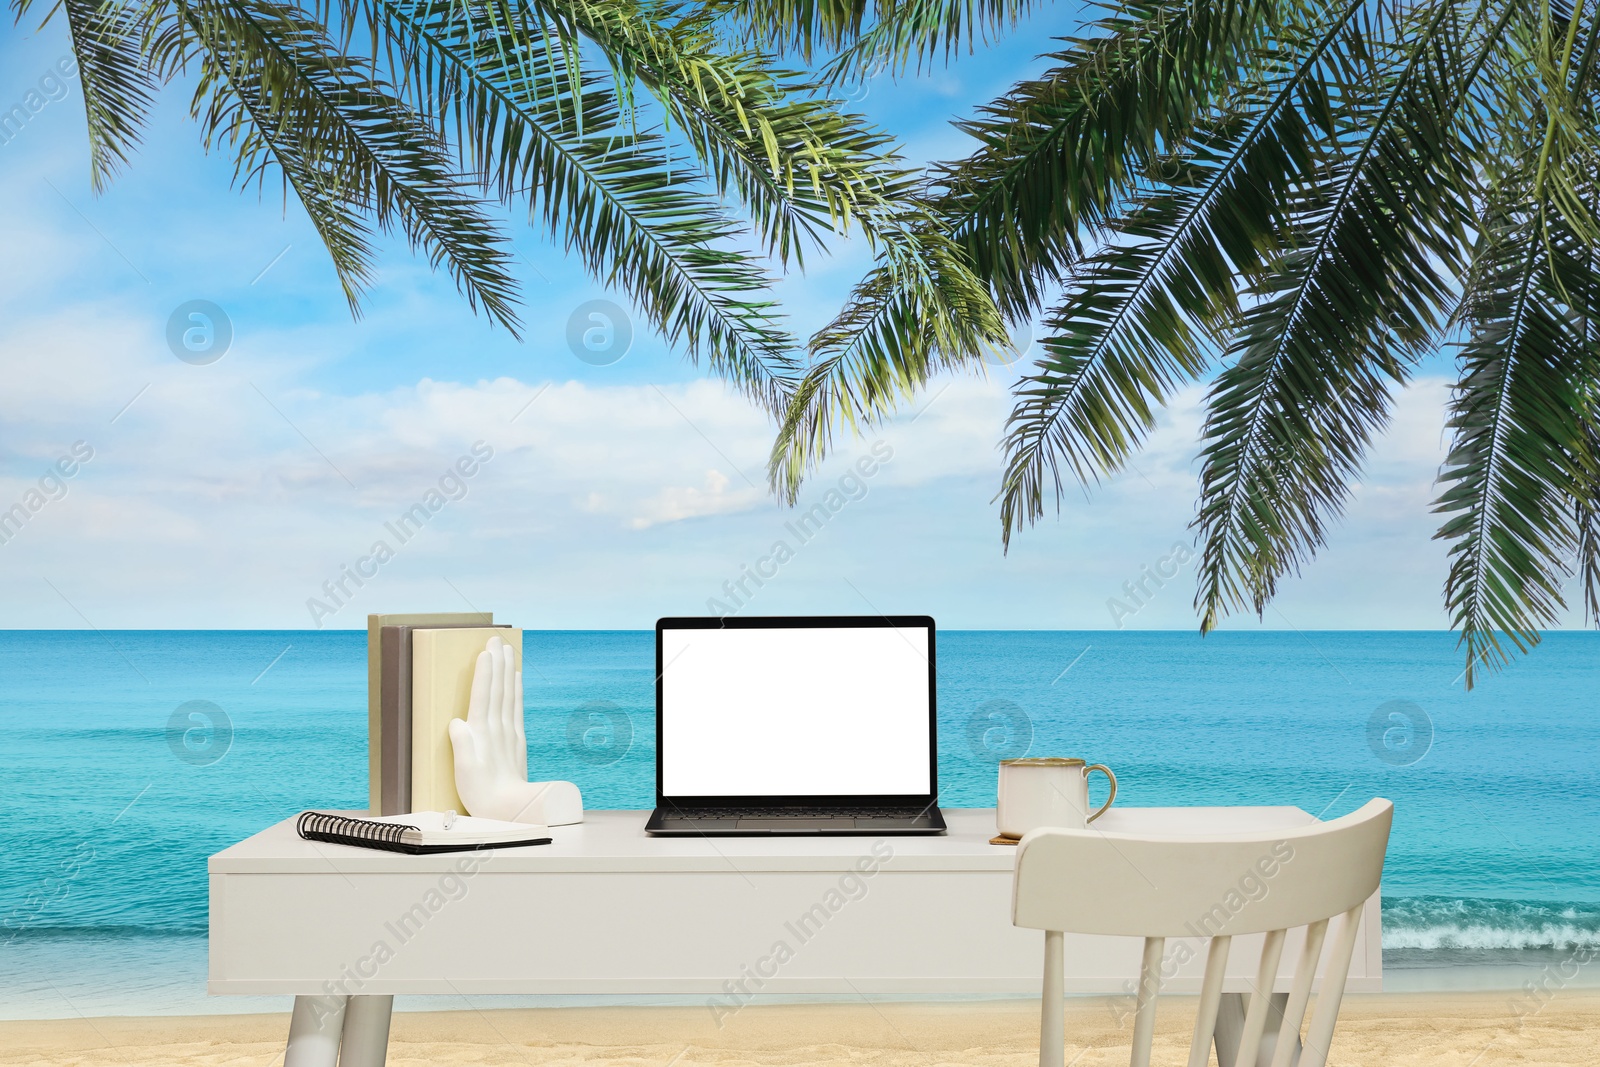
679, 822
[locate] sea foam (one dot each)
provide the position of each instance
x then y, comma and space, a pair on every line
1433, 923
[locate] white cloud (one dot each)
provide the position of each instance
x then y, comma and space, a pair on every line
226, 495
675, 504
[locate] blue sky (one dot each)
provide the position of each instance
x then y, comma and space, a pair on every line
226, 495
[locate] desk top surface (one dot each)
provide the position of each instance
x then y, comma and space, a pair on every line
616, 841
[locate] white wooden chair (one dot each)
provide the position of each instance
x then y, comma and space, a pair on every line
1096, 882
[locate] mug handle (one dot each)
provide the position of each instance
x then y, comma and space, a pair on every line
1103, 769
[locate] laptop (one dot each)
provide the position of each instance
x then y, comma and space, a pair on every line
812, 725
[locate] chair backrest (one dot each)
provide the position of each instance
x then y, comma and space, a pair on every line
1099, 882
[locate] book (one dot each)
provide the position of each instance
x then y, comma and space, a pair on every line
375, 625
442, 662
395, 729
419, 832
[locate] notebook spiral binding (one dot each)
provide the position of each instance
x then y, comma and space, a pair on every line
344, 830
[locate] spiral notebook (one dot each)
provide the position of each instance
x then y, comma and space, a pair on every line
420, 832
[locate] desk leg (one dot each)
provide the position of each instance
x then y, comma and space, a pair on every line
366, 1032
314, 1030
1230, 1029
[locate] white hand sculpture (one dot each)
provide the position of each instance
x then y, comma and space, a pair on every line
491, 750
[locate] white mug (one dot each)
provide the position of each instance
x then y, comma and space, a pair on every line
1047, 792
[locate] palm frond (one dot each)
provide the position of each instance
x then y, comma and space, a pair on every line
1058, 152
922, 309
1586, 501
1519, 452
1329, 332
870, 35
1568, 157
1522, 464
116, 84
916, 34
801, 165
539, 126
1012, 213
274, 88
1141, 315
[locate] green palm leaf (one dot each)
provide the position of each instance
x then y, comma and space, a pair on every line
1520, 448
630, 161
920, 310
1007, 218
800, 165
1327, 333
870, 37
112, 74
1140, 315
274, 88
1519, 478
540, 126
1058, 153
1586, 498
1586, 501
918, 33
1320, 197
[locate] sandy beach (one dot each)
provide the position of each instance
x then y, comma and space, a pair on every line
1390, 1030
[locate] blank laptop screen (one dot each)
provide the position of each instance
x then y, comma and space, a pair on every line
795, 711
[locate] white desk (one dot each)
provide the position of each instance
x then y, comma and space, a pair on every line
607, 909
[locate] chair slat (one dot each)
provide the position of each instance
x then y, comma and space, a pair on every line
1144, 1023
1205, 1023
1320, 1035
1255, 1017
1294, 1012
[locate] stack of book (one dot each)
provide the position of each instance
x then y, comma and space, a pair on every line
419, 677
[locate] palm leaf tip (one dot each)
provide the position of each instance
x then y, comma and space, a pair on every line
276, 89
113, 76
1521, 450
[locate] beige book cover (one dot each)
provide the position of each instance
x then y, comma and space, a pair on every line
442, 662
375, 625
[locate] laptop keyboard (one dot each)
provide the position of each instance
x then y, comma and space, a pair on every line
797, 813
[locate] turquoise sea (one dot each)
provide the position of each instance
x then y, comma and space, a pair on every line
131, 756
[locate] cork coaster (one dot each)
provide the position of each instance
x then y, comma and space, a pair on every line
1004, 840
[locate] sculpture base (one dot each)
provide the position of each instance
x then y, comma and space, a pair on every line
555, 804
